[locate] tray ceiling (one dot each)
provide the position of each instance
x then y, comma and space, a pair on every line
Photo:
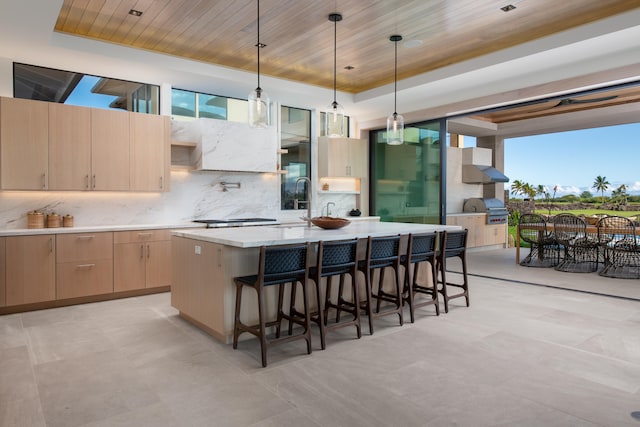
299, 36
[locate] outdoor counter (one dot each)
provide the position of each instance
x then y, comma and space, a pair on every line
205, 261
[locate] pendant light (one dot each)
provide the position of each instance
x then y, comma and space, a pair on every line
334, 115
259, 103
395, 122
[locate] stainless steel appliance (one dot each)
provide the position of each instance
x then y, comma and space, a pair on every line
494, 208
236, 222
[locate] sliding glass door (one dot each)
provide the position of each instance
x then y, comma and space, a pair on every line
406, 179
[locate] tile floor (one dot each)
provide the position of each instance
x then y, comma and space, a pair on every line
519, 356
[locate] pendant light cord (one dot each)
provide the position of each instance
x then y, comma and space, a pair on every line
258, 44
395, 81
335, 48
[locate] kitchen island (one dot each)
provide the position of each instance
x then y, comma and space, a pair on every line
205, 261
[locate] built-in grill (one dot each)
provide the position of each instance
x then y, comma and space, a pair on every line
494, 208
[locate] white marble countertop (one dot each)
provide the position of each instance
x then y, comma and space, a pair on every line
248, 237
94, 229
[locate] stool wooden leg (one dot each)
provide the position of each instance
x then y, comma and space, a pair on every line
307, 314
408, 290
236, 325
321, 319
398, 295
262, 327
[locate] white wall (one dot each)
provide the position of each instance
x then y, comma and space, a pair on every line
457, 191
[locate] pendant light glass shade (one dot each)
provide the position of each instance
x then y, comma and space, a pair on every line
395, 129
259, 111
395, 122
334, 115
259, 102
334, 121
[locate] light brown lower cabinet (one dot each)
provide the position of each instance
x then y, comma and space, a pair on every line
84, 264
3, 274
142, 259
30, 269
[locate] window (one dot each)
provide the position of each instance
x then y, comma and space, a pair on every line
186, 105
67, 87
295, 140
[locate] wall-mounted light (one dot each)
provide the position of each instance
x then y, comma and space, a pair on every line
395, 122
334, 116
259, 102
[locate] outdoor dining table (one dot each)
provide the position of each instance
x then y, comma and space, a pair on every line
591, 230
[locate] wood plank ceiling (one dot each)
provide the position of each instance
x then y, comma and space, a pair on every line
299, 36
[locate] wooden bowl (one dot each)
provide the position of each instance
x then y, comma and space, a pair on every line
329, 222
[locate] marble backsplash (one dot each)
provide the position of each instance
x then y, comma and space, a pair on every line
193, 195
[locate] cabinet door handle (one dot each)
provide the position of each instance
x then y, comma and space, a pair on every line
50, 244
219, 258
148, 251
86, 182
162, 183
44, 181
141, 251
85, 237
85, 266
94, 181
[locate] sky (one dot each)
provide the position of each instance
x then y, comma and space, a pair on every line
573, 160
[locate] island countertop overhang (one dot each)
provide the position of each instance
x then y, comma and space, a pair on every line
249, 237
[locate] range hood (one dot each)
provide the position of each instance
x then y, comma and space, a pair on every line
475, 174
477, 167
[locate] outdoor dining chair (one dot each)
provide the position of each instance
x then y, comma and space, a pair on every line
544, 249
580, 245
617, 237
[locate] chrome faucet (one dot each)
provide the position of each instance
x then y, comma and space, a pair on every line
296, 202
328, 208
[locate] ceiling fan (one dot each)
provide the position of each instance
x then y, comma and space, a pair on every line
573, 101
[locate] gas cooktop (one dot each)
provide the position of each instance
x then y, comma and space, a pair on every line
236, 222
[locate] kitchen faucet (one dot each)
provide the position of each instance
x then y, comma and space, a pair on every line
328, 207
296, 202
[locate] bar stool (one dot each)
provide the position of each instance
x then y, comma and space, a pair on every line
421, 248
453, 244
382, 252
336, 258
277, 265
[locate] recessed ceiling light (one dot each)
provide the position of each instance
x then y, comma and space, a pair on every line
135, 12
412, 43
507, 8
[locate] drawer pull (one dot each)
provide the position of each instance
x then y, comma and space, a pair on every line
145, 234
85, 237
85, 266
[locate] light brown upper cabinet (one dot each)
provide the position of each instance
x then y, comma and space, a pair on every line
110, 162
49, 146
24, 144
342, 157
150, 152
30, 269
69, 147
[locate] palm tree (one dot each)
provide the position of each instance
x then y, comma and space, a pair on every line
541, 190
517, 187
601, 184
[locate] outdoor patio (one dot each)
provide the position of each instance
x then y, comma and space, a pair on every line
501, 264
